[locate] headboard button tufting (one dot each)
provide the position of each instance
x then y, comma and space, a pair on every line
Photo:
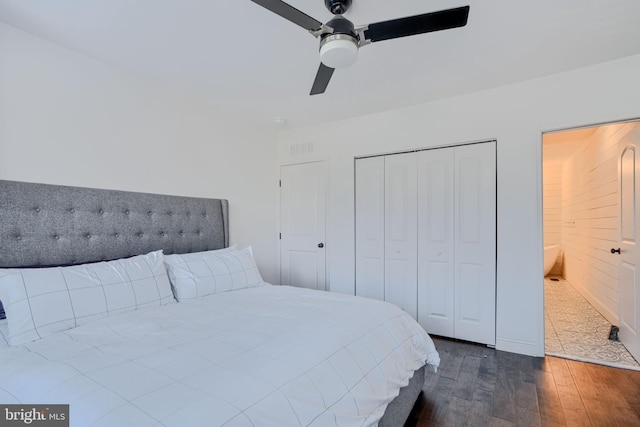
79, 226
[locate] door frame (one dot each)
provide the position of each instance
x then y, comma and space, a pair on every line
327, 285
540, 199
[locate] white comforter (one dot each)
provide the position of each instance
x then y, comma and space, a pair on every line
266, 356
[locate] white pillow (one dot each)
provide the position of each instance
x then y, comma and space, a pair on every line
204, 273
41, 301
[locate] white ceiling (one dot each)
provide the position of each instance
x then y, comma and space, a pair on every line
238, 56
557, 147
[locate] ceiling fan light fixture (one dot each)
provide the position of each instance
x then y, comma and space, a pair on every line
338, 50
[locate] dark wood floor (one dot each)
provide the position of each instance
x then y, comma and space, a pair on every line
479, 386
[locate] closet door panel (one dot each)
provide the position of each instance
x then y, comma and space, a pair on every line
370, 227
400, 278
475, 242
435, 241
470, 288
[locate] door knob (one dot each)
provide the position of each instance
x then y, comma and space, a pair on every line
613, 251
321, 245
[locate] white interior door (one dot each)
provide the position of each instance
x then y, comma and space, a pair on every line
435, 241
400, 275
475, 242
302, 222
629, 220
370, 227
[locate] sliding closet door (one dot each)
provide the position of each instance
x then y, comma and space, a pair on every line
475, 242
436, 241
370, 227
400, 276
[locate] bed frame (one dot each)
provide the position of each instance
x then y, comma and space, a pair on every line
49, 225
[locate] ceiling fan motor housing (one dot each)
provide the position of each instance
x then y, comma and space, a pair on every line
340, 48
337, 7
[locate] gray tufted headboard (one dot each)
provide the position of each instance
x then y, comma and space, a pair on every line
46, 225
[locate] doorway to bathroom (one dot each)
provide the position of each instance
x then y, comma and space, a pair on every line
592, 294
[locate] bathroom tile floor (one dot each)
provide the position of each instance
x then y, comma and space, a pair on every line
575, 330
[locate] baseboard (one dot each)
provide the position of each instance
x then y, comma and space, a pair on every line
520, 347
595, 302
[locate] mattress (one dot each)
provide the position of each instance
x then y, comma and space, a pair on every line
265, 356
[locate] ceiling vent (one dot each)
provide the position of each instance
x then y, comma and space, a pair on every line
301, 149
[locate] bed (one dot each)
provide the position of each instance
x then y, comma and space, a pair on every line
133, 309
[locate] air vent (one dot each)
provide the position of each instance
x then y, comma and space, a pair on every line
301, 148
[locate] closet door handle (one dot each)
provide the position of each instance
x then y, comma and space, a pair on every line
613, 251
321, 245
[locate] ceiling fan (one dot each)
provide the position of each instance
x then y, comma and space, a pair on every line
340, 39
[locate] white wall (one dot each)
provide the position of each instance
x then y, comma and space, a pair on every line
515, 116
67, 119
552, 209
591, 219
552, 185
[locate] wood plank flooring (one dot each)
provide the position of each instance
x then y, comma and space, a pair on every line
479, 386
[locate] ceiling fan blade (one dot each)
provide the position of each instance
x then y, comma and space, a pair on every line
322, 79
418, 24
291, 13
